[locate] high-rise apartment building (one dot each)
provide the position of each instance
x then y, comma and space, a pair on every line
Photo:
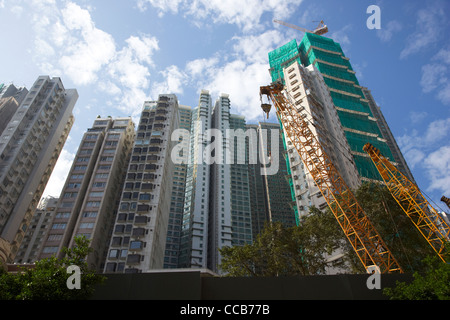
241, 214
139, 235
194, 237
29, 148
306, 88
10, 99
178, 192
358, 122
37, 231
89, 199
271, 198
217, 211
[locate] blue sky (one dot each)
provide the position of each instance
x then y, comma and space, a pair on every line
118, 54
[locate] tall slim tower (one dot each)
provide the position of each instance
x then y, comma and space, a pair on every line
29, 148
216, 211
241, 214
89, 199
139, 236
194, 237
173, 241
271, 197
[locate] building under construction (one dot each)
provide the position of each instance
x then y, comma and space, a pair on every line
350, 101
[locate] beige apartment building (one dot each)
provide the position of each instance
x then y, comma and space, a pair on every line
89, 199
29, 148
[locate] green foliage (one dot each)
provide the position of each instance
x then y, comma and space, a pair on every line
48, 279
396, 229
280, 251
433, 284
301, 249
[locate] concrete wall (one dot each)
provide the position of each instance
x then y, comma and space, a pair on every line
196, 285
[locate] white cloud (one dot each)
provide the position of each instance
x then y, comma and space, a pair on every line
385, 33
241, 81
88, 49
417, 117
435, 76
239, 74
174, 80
429, 28
68, 43
246, 15
429, 152
438, 165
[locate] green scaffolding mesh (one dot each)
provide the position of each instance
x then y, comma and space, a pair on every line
291, 183
281, 57
358, 122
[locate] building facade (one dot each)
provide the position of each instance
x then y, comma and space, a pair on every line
29, 148
173, 242
307, 90
37, 231
217, 211
89, 199
352, 107
139, 235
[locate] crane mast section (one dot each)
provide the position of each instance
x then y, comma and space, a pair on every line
428, 221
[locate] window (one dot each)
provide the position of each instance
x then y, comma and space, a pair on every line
144, 197
110, 267
116, 241
54, 237
62, 215
119, 228
138, 232
136, 245
134, 258
113, 254
67, 204
96, 194
89, 214
99, 184
86, 225
60, 226
95, 204
70, 194
50, 249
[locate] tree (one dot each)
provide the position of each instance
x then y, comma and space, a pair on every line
397, 230
281, 251
432, 284
48, 279
302, 249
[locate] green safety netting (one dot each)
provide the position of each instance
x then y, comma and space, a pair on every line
282, 56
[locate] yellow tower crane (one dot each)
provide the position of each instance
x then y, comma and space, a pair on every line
429, 222
365, 240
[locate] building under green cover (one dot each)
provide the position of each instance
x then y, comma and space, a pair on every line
358, 122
